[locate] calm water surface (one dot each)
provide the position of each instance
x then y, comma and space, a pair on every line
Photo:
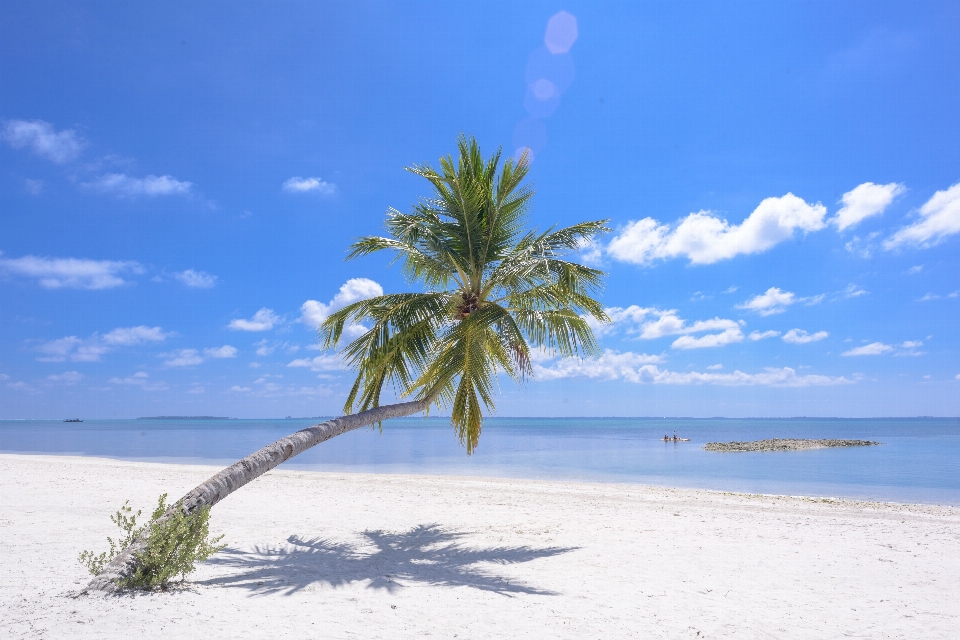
918, 462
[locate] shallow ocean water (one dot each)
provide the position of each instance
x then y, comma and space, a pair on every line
919, 460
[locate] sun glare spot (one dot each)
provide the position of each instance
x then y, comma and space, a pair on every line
561, 32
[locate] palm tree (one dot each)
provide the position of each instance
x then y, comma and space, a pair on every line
495, 292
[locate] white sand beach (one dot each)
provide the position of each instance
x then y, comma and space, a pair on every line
332, 555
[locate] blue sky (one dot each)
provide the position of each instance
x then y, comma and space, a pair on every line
179, 183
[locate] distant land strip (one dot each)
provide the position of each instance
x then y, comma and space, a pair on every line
785, 444
184, 418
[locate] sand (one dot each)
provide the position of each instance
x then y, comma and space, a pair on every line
331, 555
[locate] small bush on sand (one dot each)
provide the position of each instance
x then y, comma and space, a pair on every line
174, 545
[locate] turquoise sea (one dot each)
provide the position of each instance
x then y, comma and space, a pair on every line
919, 460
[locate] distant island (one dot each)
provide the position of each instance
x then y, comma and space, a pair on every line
184, 418
785, 444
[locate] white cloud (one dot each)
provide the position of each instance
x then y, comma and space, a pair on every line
775, 300
729, 336
957, 377
196, 279
320, 363
129, 336
756, 335
655, 323
864, 201
226, 351
196, 390
715, 367
799, 336
90, 350
68, 377
669, 323
911, 348
141, 379
182, 358
71, 273
33, 187
3, 377
705, 238
619, 315
123, 185
939, 218
872, 349
262, 320
633, 368
853, 291
41, 138
305, 185
71, 347
610, 366
915, 269
313, 313
58, 350
238, 389
263, 349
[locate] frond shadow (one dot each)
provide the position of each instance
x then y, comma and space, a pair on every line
425, 554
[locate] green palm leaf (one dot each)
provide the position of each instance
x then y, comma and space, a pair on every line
494, 291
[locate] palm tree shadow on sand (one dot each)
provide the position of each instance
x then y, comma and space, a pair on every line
425, 554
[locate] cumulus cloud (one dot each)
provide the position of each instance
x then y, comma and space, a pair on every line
799, 336
872, 349
757, 335
610, 366
226, 351
650, 323
911, 348
939, 218
140, 379
71, 273
320, 363
853, 291
309, 185
43, 140
67, 377
262, 320
313, 313
90, 349
728, 336
182, 358
705, 238
196, 279
123, 185
864, 201
72, 348
129, 336
775, 300
633, 368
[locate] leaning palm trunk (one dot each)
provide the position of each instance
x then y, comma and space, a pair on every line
247, 470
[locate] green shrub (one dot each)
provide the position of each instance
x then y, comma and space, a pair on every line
174, 545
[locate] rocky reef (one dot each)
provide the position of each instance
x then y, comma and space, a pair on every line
785, 444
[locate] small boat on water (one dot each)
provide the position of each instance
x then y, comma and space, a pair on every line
74, 420
674, 439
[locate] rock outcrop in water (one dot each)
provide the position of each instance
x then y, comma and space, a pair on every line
785, 444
